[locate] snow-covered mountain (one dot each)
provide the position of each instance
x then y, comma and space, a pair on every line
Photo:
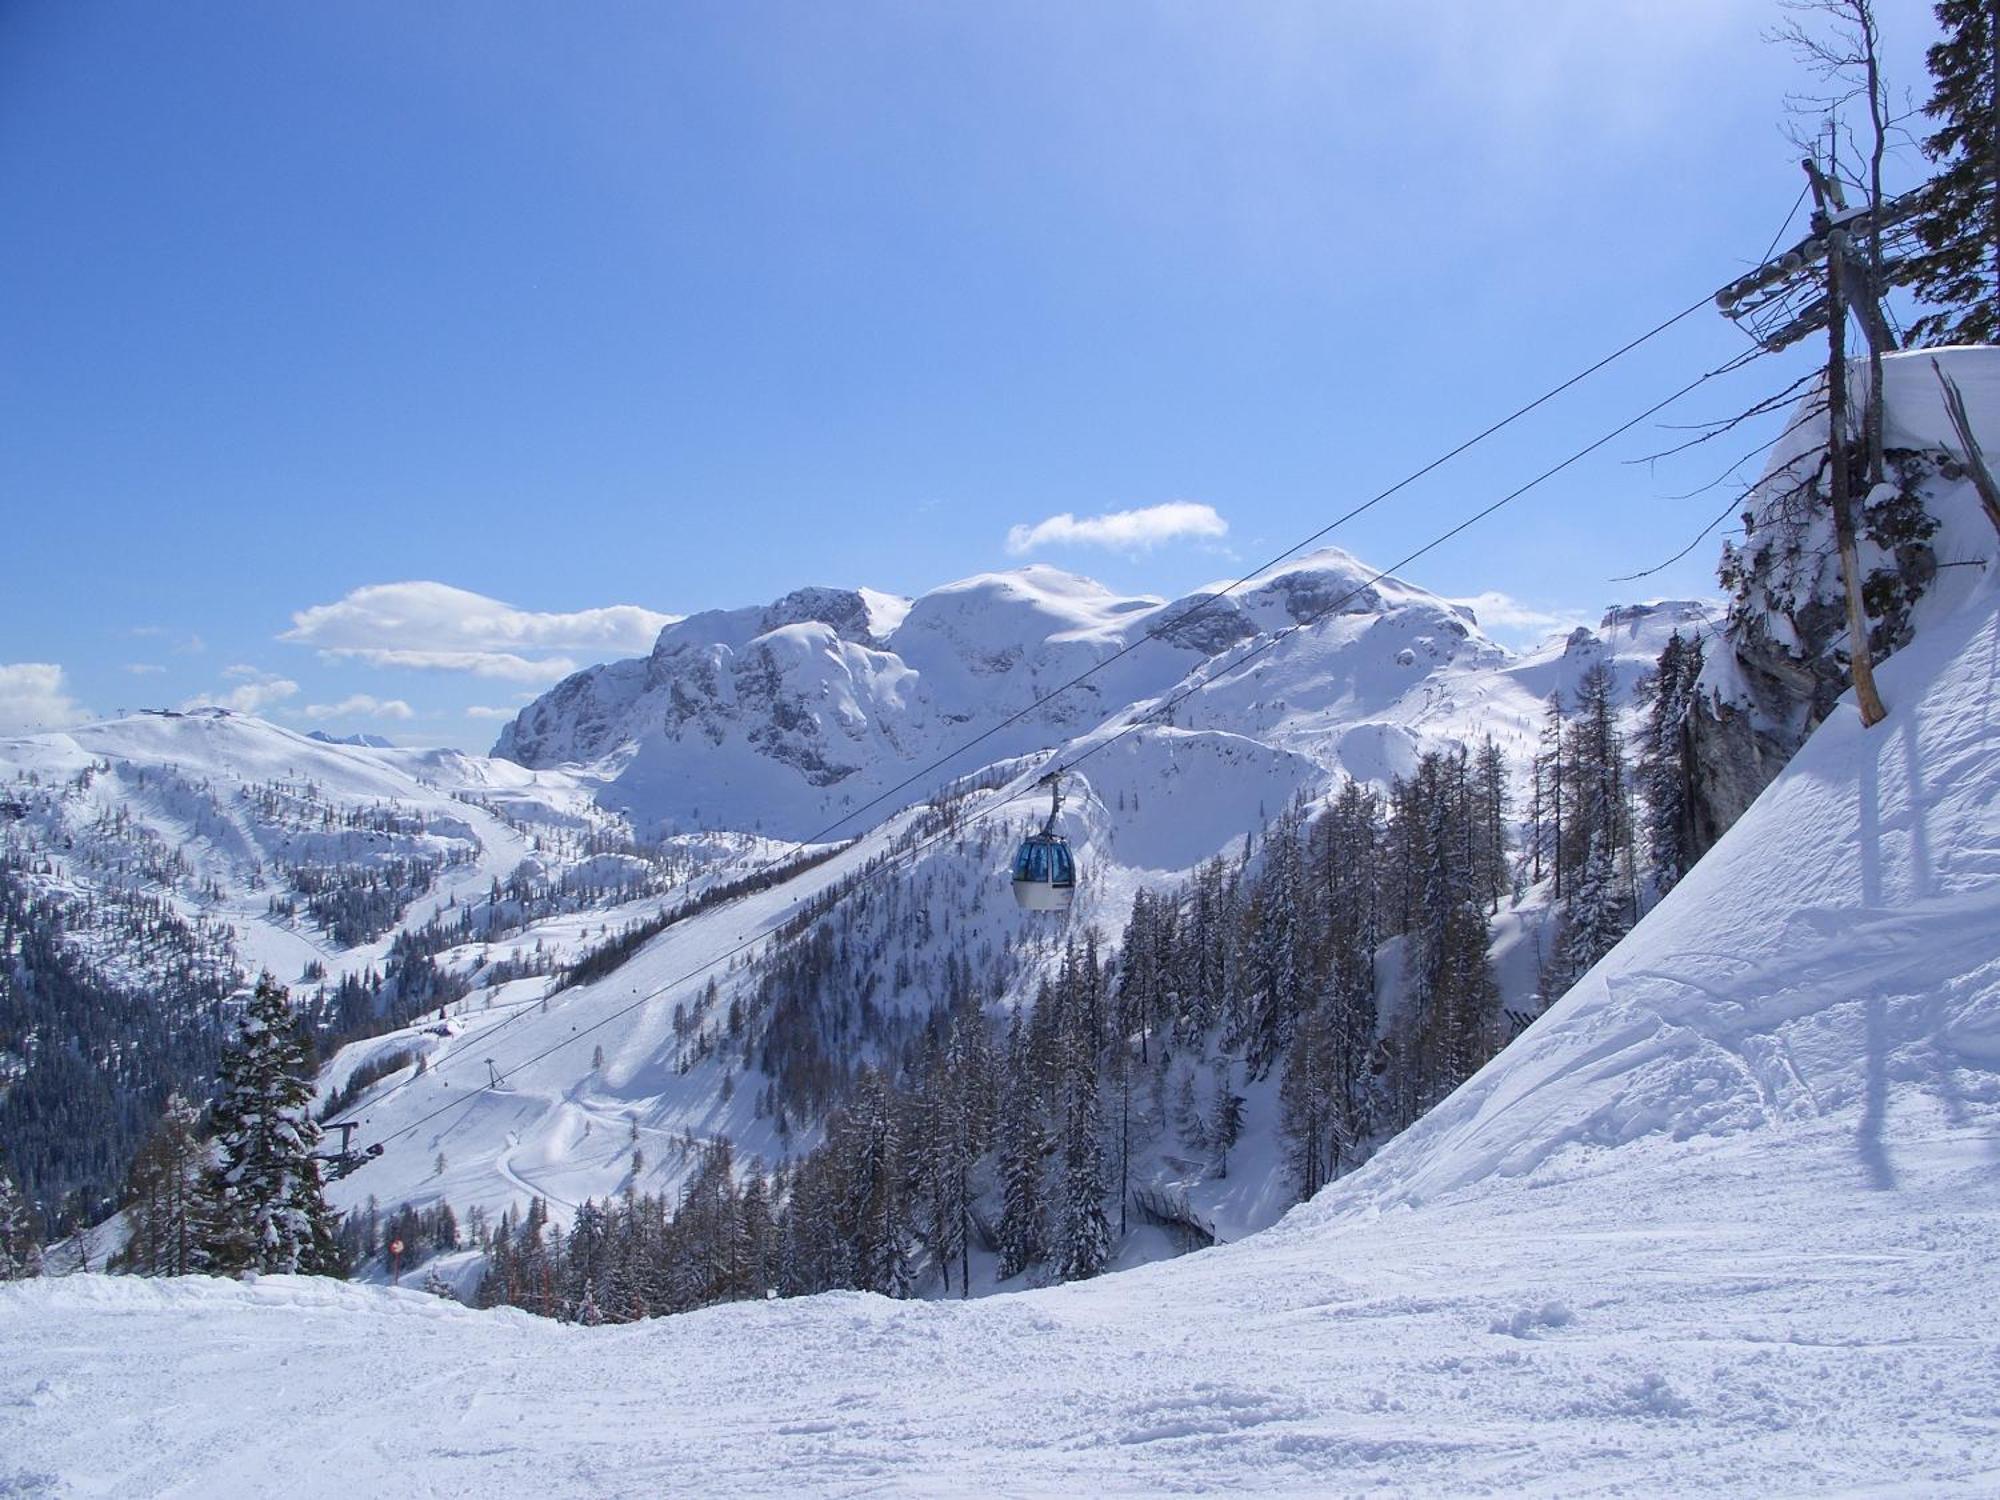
783, 718
1720, 1223
152, 865
1362, 692
339, 866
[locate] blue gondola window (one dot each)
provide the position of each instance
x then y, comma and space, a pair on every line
1045, 862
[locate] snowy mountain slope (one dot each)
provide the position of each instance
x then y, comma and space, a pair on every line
1362, 693
319, 859
1782, 658
781, 719
229, 801
1832, 956
562, 1127
1721, 1223
152, 865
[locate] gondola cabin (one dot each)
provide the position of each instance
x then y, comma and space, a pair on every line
1044, 868
1044, 873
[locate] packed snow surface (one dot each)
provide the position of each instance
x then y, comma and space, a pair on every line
1722, 1223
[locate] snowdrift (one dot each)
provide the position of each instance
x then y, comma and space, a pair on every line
1838, 948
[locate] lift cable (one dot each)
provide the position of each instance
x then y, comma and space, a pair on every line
1198, 607
1211, 600
1165, 706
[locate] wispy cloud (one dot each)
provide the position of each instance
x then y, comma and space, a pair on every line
1517, 618
487, 711
1122, 530
361, 705
144, 668
255, 691
33, 697
434, 627
499, 666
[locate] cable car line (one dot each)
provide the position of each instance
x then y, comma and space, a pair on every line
1213, 599
1276, 637
1192, 611
1140, 721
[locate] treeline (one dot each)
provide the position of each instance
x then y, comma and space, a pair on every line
1344, 956
610, 955
1025, 1146
87, 1055
1610, 824
356, 903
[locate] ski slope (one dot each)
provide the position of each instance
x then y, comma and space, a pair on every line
1363, 692
188, 783
1721, 1223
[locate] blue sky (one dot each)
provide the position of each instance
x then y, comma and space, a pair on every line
581, 315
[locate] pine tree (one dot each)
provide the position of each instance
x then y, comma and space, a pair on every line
1083, 1233
20, 1246
1662, 769
1446, 1015
1490, 804
876, 1210
168, 1204
270, 1214
1595, 917
1348, 841
1225, 1118
1549, 773
1958, 273
1598, 905
1023, 1216
757, 1234
1188, 1117
1306, 1102
1277, 943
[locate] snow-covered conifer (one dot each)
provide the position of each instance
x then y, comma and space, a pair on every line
20, 1245
169, 1203
270, 1214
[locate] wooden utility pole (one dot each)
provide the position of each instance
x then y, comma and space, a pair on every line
1839, 486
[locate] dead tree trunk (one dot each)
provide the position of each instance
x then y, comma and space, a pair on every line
1839, 484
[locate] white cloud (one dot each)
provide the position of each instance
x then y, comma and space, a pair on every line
358, 705
143, 668
32, 697
501, 666
1515, 617
1122, 530
254, 692
429, 626
487, 711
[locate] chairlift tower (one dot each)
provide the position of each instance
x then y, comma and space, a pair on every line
1848, 259
1788, 298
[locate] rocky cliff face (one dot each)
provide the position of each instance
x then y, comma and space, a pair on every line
1782, 661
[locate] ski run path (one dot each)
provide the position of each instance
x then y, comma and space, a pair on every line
1724, 1222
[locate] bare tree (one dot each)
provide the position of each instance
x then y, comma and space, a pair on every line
1840, 45
1839, 42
